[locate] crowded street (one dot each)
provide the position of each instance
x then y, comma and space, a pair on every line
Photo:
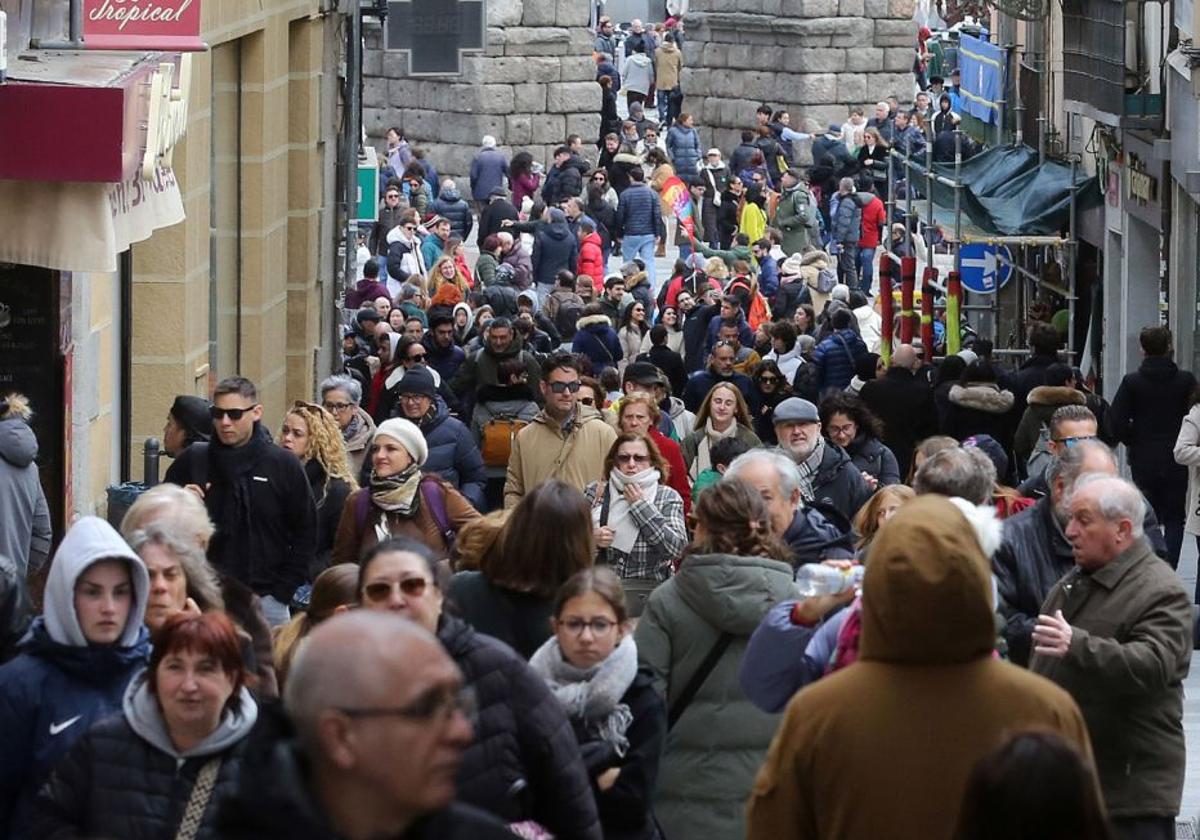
615, 420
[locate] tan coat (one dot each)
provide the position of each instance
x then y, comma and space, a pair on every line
352, 541
540, 451
668, 61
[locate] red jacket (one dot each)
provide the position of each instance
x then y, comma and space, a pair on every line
591, 260
874, 217
678, 480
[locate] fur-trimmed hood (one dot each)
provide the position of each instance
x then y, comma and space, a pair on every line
590, 320
636, 280
1056, 395
982, 396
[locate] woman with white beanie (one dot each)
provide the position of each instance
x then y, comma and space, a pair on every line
399, 499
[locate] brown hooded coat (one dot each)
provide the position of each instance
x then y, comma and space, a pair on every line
884, 747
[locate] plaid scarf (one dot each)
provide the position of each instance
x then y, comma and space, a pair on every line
808, 469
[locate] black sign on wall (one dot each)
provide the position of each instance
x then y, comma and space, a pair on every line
435, 33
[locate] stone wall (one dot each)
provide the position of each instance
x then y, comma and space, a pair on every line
816, 58
533, 86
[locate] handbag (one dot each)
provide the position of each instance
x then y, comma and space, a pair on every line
193, 813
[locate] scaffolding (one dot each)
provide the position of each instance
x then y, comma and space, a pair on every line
900, 271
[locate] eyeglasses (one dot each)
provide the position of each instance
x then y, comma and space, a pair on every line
435, 706
598, 626
588, 400
392, 195
381, 590
632, 458
1071, 441
561, 387
234, 414
331, 406
847, 429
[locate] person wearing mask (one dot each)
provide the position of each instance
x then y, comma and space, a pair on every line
723, 413
176, 747
509, 596
591, 666
693, 632
827, 474
73, 665
524, 763
366, 688
26, 535
258, 496
341, 396
851, 425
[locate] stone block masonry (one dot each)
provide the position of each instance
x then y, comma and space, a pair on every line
532, 87
815, 58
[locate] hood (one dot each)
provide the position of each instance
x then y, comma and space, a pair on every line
520, 395
677, 407
629, 158
982, 396
593, 321
817, 257
667, 47
398, 373
146, 719
449, 194
558, 231
18, 444
927, 589
733, 593
636, 280
88, 541
470, 315
1055, 395
396, 234
639, 59
1158, 369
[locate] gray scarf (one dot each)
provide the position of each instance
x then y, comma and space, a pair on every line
593, 695
808, 469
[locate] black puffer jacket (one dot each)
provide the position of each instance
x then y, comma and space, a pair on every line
525, 762
839, 484
1146, 414
330, 497
450, 205
871, 456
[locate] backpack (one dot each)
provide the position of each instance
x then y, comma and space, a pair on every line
759, 310
496, 437
566, 317
826, 280
431, 496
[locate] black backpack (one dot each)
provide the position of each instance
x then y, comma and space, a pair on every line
566, 317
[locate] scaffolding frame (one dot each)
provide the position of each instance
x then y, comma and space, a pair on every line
905, 267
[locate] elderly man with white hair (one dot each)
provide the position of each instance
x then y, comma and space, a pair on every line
489, 170
1116, 632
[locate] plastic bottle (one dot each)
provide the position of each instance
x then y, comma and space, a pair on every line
815, 579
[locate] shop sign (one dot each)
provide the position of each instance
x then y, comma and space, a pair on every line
142, 25
166, 119
1142, 186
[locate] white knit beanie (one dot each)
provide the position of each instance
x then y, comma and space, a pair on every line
407, 434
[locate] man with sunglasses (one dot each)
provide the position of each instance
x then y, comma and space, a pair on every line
257, 496
566, 440
366, 688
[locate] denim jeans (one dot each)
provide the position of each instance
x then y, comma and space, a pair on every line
866, 269
274, 612
641, 245
664, 99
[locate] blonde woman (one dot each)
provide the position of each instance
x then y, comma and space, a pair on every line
444, 271
314, 436
723, 413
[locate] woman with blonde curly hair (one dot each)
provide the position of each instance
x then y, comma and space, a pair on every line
444, 271
314, 436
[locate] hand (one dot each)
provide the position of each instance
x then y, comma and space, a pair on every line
603, 536
871, 480
809, 611
608, 778
1052, 635
633, 493
506, 223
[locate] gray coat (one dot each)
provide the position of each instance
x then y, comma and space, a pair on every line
25, 535
713, 753
1131, 647
488, 171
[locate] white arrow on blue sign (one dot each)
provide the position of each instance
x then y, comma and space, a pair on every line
984, 268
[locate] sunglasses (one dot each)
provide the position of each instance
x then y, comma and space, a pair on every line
393, 195
381, 590
632, 458
768, 380
562, 387
234, 414
588, 400
417, 357
410, 227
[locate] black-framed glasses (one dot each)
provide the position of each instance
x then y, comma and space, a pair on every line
381, 590
768, 380
332, 406
234, 414
598, 626
392, 195
433, 706
562, 387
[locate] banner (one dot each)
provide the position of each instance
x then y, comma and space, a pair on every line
167, 25
982, 67
676, 196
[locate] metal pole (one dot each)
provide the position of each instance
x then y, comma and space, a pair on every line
150, 453
1041, 121
351, 138
908, 198
75, 32
1071, 286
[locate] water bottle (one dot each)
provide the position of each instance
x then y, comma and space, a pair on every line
815, 579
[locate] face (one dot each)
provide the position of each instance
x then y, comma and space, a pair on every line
499, 339
887, 509
729, 334
560, 389
633, 457
337, 402
1095, 541
230, 431
638, 313
1070, 433
736, 186
902, 121
293, 435
761, 476
174, 437
388, 457
460, 318
415, 406
414, 355
798, 439
587, 396
168, 584
944, 104
443, 335
484, 319
800, 319
635, 418
442, 229
396, 320
192, 689
616, 292
670, 317
103, 599
841, 430
922, 101
722, 361
392, 137
383, 348
686, 302
399, 581
768, 381
413, 329
723, 407
392, 197
383, 306
612, 144
587, 630
728, 310
881, 112
447, 270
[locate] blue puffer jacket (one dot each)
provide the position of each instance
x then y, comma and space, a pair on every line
683, 145
554, 248
454, 456
834, 359
451, 205
596, 339
639, 211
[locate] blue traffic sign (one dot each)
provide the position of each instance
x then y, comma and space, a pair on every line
984, 268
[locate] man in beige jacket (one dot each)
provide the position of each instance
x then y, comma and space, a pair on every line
668, 61
566, 440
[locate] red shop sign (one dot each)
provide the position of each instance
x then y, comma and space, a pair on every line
167, 25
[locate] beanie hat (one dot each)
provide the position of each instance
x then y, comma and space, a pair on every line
990, 447
191, 413
418, 381
406, 434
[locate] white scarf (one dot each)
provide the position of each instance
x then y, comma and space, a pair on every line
592, 695
620, 519
703, 451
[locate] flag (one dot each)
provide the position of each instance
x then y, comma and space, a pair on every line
676, 196
982, 67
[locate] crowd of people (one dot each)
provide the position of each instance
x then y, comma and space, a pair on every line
539, 559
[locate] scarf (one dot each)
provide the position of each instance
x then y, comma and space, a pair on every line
354, 427
703, 451
592, 696
395, 494
808, 469
620, 516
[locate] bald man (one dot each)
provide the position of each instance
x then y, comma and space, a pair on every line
1116, 632
380, 725
904, 402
